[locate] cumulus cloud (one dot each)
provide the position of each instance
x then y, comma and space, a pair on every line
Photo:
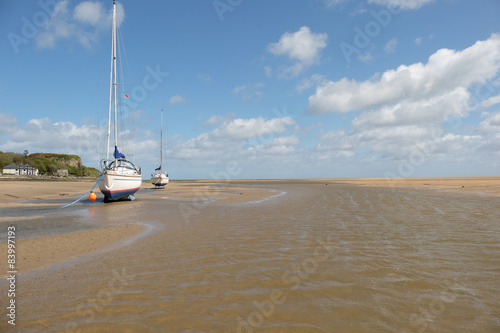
250, 91
416, 110
490, 101
236, 138
491, 124
279, 146
218, 119
85, 23
204, 77
398, 4
310, 82
390, 47
177, 99
43, 135
436, 109
250, 128
446, 70
89, 12
402, 4
333, 3
302, 47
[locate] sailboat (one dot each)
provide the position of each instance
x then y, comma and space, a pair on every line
121, 178
160, 179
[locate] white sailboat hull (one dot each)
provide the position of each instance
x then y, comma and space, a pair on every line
117, 186
159, 180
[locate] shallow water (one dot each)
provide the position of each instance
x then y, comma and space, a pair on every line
318, 258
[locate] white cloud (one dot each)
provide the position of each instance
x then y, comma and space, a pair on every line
85, 23
396, 4
217, 119
89, 12
401, 4
278, 146
333, 3
238, 129
365, 57
7, 122
250, 91
446, 70
204, 77
43, 135
418, 40
302, 46
490, 101
310, 82
490, 124
436, 109
360, 9
177, 99
415, 114
390, 47
239, 140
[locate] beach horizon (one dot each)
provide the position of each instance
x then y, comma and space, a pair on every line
15, 193
199, 234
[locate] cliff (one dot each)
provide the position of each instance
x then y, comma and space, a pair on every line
48, 163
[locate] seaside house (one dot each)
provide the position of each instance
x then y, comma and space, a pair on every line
20, 170
11, 169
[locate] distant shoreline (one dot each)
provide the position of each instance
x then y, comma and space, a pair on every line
45, 178
480, 184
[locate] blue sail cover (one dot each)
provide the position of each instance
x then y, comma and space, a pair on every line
158, 168
118, 154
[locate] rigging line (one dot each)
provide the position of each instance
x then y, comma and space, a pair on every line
122, 115
83, 196
125, 57
129, 143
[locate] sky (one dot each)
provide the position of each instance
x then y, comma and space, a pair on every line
259, 89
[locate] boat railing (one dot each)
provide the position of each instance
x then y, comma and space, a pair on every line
119, 163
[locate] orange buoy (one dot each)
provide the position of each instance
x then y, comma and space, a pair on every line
92, 196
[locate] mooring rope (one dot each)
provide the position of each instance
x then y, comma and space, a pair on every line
83, 196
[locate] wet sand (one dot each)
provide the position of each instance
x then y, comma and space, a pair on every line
344, 255
479, 185
38, 252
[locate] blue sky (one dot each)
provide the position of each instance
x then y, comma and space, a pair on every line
260, 89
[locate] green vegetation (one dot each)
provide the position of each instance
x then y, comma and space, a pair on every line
48, 164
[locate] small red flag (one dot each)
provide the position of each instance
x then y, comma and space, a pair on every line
126, 96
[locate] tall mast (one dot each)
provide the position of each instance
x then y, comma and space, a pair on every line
110, 90
114, 67
161, 143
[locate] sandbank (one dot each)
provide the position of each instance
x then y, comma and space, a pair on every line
37, 252
221, 191
16, 191
479, 185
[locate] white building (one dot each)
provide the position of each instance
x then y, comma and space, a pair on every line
20, 170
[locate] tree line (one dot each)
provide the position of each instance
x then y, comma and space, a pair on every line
49, 163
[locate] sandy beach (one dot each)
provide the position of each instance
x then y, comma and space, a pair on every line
38, 252
480, 185
224, 244
43, 251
